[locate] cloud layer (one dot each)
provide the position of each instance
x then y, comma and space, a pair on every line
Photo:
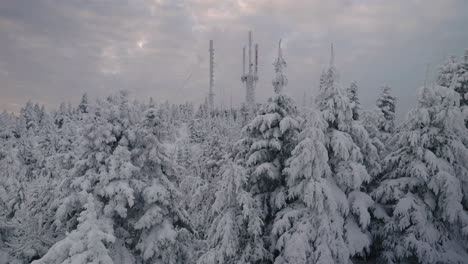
53, 51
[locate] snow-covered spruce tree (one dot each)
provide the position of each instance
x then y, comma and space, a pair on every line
386, 104
88, 243
27, 154
12, 178
123, 164
101, 131
447, 71
252, 189
370, 120
423, 187
34, 230
83, 106
346, 161
202, 161
310, 228
461, 86
362, 133
29, 173
235, 234
352, 92
163, 227
454, 74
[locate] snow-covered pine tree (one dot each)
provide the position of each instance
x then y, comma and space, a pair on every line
235, 234
352, 92
101, 130
346, 161
454, 74
447, 71
27, 160
386, 104
370, 119
83, 106
30, 171
424, 187
462, 81
213, 140
461, 85
253, 186
163, 228
362, 132
310, 228
125, 166
12, 174
34, 231
88, 243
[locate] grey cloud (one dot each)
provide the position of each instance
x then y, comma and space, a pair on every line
52, 51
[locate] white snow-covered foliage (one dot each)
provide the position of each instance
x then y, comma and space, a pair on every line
370, 120
352, 92
386, 105
124, 165
310, 228
461, 85
252, 188
424, 188
235, 234
165, 229
86, 244
280, 80
454, 74
346, 161
201, 152
365, 134
447, 71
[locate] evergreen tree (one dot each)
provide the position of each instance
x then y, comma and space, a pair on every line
83, 107
362, 132
346, 161
165, 229
454, 74
386, 105
352, 92
424, 187
88, 243
309, 229
447, 71
370, 120
125, 166
462, 82
258, 191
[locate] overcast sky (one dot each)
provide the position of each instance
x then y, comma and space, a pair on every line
52, 51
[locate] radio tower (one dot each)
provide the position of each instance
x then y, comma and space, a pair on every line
211, 89
250, 78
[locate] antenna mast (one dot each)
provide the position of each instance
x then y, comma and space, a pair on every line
211, 89
250, 79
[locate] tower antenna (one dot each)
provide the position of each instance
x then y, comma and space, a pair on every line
250, 78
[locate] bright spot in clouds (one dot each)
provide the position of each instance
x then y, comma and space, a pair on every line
141, 43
